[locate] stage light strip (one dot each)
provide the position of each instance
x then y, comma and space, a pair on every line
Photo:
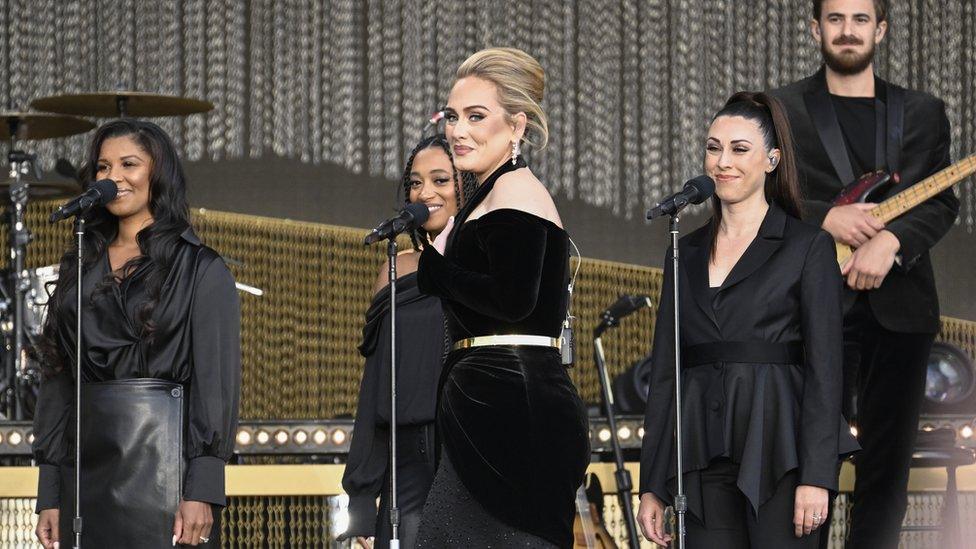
333, 437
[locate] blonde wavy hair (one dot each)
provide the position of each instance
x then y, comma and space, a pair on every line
520, 82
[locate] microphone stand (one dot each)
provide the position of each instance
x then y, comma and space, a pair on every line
621, 475
391, 253
80, 234
680, 499
695, 191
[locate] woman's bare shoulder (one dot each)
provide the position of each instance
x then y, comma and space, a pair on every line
407, 262
522, 190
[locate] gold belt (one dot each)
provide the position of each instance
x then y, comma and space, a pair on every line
513, 339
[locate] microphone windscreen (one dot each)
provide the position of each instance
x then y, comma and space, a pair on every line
705, 187
107, 191
419, 212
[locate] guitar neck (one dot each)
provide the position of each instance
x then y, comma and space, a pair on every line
924, 190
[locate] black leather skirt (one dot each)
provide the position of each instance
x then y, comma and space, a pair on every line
132, 464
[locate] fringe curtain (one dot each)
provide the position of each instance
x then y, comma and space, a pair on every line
631, 83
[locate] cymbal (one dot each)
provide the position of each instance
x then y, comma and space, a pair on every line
41, 125
42, 190
114, 104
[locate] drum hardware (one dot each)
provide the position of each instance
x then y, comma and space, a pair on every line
122, 104
15, 126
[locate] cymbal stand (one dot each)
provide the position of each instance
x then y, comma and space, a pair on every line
122, 104
19, 236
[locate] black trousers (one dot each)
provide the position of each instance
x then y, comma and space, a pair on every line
731, 522
886, 372
415, 474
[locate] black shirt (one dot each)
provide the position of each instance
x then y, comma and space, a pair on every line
420, 353
196, 343
857, 119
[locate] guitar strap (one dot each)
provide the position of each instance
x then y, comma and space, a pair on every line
895, 125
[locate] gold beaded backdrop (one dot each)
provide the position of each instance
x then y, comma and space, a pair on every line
630, 82
299, 339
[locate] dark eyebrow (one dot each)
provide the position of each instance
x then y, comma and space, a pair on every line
128, 156
861, 14
436, 171
734, 141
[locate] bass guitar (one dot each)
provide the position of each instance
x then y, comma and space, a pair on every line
868, 184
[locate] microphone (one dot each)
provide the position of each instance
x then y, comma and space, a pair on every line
413, 215
99, 193
625, 305
695, 191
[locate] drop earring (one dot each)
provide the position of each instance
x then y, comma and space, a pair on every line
515, 151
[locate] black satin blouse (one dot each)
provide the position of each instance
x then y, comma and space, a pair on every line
196, 343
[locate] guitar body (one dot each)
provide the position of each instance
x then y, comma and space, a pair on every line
593, 535
589, 532
856, 193
844, 252
860, 190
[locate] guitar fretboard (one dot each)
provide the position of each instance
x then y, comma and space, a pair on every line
924, 189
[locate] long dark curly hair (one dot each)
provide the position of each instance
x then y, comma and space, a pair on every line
464, 183
158, 242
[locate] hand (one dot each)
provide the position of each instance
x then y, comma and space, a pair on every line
852, 224
809, 509
650, 517
47, 528
440, 243
193, 521
364, 543
870, 264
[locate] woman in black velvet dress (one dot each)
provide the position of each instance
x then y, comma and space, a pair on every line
430, 178
512, 424
761, 353
160, 367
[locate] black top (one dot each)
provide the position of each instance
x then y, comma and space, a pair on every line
196, 343
505, 272
917, 143
420, 346
762, 365
856, 116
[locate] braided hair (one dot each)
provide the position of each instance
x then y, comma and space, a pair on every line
464, 183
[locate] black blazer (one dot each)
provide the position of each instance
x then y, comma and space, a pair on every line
768, 417
917, 145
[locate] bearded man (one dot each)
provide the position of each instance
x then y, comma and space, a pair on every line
846, 122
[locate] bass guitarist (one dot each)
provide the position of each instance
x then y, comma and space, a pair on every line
847, 122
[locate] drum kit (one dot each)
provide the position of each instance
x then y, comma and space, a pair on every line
23, 292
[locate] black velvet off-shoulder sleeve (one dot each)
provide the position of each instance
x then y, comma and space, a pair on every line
514, 243
820, 404
215, 383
